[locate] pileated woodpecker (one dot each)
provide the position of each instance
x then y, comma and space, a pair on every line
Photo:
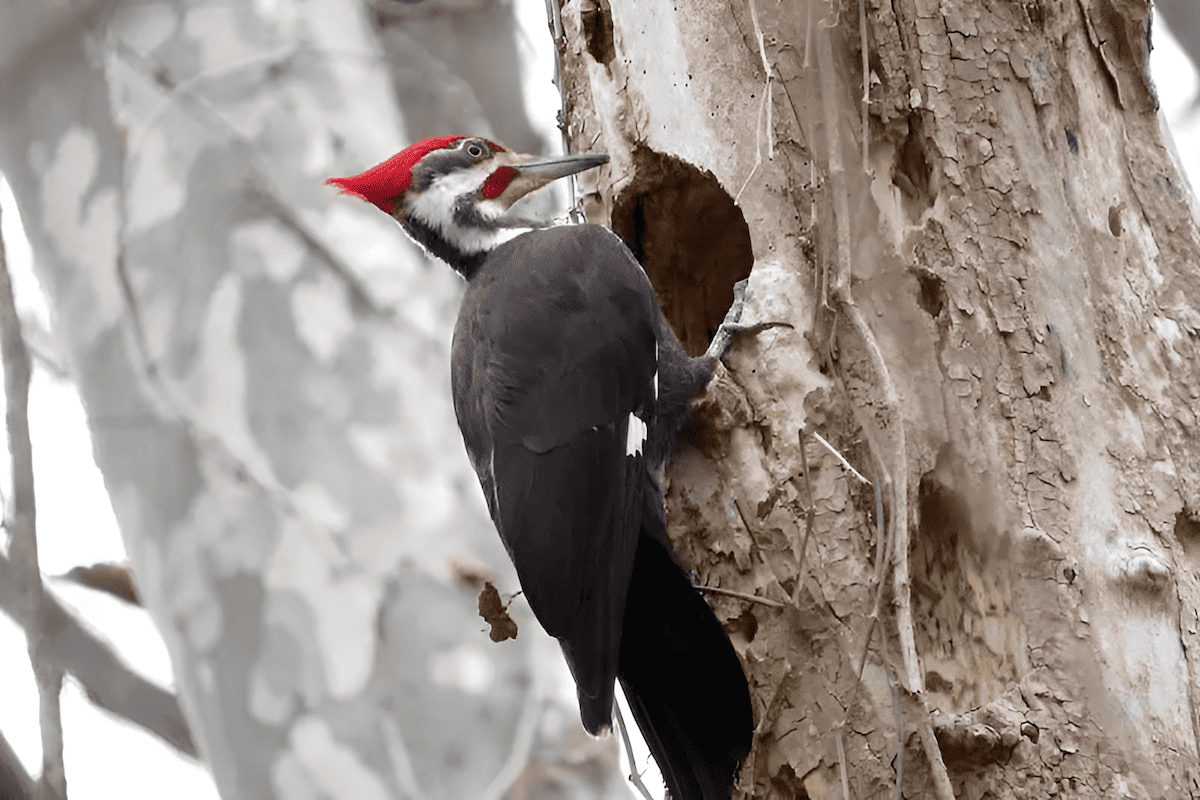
570, 389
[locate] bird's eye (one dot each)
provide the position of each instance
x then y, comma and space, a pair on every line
474, 150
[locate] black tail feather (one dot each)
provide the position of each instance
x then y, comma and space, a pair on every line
683, 680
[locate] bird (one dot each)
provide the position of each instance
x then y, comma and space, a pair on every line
570, 389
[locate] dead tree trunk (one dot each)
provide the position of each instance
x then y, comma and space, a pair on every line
991, 270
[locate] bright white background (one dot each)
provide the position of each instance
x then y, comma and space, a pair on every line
76, 524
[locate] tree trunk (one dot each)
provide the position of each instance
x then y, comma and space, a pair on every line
990, 267
265, 370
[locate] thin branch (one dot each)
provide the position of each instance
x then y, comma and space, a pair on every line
898, 718
883, 555
757, 154
876, 605
764, 103
841, 458
880, 570
753, 598
809, 521
845, 774
557, 35
866, 77
22, 525
750, 529
109, 683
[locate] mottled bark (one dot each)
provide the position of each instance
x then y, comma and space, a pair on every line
265, 370
991, 272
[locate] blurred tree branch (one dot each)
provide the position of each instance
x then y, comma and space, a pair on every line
109, 683
58, 643
15, 782
22, 528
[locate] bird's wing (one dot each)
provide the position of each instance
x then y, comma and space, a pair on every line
555, 370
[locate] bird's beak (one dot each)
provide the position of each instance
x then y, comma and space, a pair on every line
555, 167
534, 172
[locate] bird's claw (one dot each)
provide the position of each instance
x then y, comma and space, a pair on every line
732, 325
734, 314
756, 327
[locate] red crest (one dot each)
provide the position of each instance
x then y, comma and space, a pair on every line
382, 184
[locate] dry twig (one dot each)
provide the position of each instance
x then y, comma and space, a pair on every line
753, 598
841, 458
866, 78
845, 773
810, 516
763, 107
554, 22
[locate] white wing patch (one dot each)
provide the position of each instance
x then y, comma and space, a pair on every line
635, 437
656, 369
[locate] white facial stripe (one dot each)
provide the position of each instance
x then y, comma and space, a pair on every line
435, 205
435, 208
636, 436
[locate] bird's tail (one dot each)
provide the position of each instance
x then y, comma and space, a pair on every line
683, 680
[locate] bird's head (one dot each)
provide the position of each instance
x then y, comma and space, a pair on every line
452, 194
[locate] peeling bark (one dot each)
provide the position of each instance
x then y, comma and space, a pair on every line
1017, 262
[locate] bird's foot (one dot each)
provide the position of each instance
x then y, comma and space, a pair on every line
732, 325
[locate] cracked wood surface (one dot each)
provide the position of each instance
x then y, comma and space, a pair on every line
1023, 251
